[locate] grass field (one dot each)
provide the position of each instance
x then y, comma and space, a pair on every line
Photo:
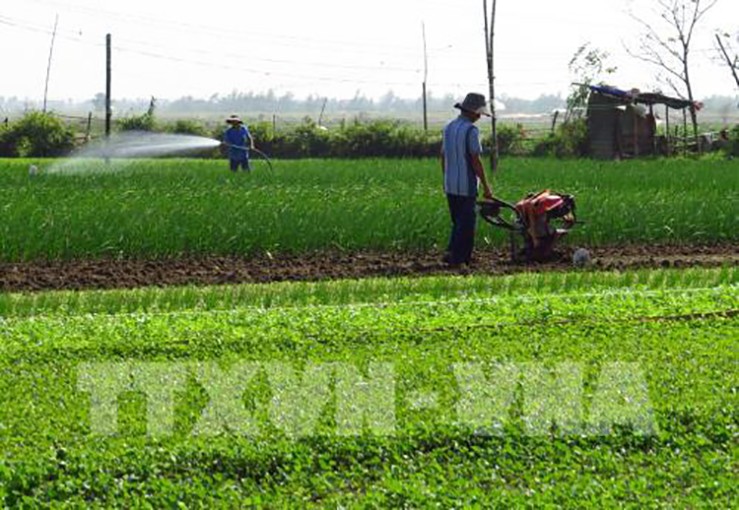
159, 208
620, 388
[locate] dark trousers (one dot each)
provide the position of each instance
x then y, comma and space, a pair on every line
462, 238
234, 164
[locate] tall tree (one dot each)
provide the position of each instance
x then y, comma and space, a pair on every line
666, 43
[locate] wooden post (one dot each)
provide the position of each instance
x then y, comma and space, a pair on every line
668, 138
89, 127
636, 133
554, 120
685, 133
425, 117
323, 108
489, 50
652, 119
425, 75
108, 69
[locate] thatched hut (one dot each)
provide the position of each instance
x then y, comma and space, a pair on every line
622, 124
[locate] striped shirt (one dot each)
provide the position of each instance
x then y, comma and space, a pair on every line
461, 139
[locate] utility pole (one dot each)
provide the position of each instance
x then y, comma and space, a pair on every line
108, 110
489, 35
48, 65
425, 76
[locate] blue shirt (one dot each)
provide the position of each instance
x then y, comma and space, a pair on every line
240, 137
461, 139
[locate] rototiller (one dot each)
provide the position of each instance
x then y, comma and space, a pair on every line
541, 219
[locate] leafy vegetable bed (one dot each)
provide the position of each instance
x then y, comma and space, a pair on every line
567, 388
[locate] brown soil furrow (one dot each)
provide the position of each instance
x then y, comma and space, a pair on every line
129, 273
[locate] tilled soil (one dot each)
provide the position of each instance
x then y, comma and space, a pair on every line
129, 273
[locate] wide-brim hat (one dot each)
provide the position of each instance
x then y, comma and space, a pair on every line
474, 103
234, 119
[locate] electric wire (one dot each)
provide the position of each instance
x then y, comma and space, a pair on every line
345, 75
74, 37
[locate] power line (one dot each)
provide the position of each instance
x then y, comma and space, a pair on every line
238, 62
220, 32
74, 36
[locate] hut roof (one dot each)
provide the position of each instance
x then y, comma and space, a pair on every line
634, 96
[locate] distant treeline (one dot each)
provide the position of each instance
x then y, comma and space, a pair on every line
252, 104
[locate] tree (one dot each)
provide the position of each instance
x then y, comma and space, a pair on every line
728, 55
587, 66
666, 43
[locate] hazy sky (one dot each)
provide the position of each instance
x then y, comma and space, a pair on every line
332, 48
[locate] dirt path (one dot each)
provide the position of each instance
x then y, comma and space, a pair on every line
104, 274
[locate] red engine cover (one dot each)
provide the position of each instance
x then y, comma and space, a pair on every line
539, 204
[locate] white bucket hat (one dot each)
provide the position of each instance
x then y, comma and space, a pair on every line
474, 103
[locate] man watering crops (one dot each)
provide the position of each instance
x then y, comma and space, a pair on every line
238, 139
463, 171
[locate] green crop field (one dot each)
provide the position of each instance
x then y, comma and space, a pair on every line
577, 388
161, 208
567, 389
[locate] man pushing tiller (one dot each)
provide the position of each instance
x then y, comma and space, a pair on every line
462, 168
541, 219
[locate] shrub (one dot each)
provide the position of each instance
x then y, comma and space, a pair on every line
510, 139
383, 138
546, 147
144, 122
36, 134
573, 139
306, 140
263, 134
187, 127
569, 140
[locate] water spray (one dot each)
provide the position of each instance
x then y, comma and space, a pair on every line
138, 144
135, 144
